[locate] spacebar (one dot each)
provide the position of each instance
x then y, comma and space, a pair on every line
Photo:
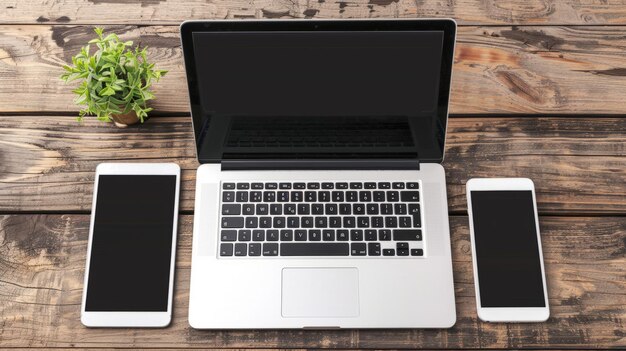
314, 249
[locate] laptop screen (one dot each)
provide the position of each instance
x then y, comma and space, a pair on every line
318, 94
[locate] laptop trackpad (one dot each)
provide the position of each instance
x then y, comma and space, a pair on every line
320, 292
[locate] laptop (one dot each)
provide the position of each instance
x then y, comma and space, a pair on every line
320, 199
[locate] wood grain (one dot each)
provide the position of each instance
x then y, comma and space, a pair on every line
48, 163
498, 70
175, 11
43, 258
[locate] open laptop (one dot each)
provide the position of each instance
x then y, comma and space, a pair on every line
320, 199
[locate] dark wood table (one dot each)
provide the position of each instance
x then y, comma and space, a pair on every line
539, 91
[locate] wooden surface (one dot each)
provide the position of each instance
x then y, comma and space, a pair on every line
498, 70
44, 259
539, 90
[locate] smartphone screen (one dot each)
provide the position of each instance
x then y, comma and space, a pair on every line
507, 249
132, 240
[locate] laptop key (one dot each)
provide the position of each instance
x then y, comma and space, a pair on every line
254, 249
342, 235
407, 235
405, 222
243, 186
269, 196
290, 209
242, 196
232, 222
314, 249
241, 249
283, 196
313, 185
342, 185
310, 196
397, 185
331, 209
231, 209
413, 185
258, 235
228, 186
384, 235
271, 186
334, 222
284, 185
299, 186
228, 196
300, 235
286, 235
356, 235
265, 222
293, 222
324, 196
358, 249
389, 252
417, 252
392, 196
409, 196
352, 196
252, 222
386, 209
378, 222
226, 249
328, 186
403, 252
276, 209
256, 196
365, 196
229, 235
337, 196
370, 185
304, 209
306, 222
270, 249
315, 235
356, 185
261, 209
257, 186
384, 185
248, 209
345, 209
244, 235
317, 209
272, 235
399, 209
279, 222
373, 249
370, 235
328, 235
379, 196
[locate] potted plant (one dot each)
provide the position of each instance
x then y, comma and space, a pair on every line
114, 82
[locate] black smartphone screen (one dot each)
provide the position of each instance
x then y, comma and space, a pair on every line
507, 250
132, 242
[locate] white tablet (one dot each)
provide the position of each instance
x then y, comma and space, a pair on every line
129, 276
509, 274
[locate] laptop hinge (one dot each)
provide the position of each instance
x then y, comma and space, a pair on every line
370, 164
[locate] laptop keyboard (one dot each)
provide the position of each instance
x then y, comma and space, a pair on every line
366, 219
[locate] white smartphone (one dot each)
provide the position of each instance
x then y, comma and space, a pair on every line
509, 274
129, 277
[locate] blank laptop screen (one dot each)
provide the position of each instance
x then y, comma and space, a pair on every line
331, 95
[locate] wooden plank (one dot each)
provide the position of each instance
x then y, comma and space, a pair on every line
175, 11
43, 258
48, 163
498, 70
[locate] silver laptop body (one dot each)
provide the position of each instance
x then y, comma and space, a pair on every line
329, 215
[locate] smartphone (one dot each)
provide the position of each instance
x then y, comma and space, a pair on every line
129, 277
509, 274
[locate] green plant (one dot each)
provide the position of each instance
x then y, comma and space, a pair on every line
114, 80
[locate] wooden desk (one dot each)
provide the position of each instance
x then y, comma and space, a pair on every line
539, 91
